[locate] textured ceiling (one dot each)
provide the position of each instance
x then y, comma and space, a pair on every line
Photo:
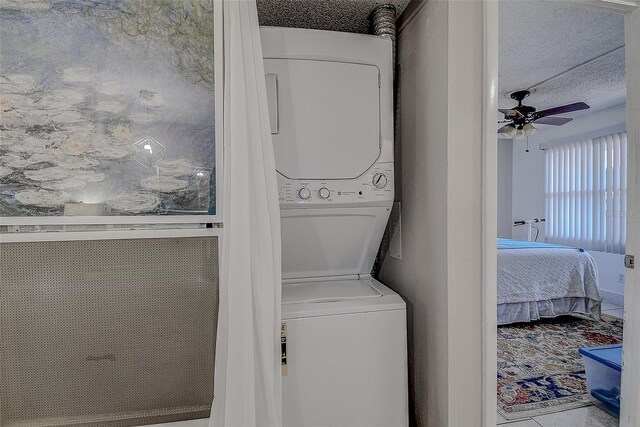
336, 15
540, 39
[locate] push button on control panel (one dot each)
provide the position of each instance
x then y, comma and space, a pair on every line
324, 193
304, 193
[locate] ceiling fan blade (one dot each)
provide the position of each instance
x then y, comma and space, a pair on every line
510, 113
563, 109
553, 121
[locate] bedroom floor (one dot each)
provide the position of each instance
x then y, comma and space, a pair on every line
590, 416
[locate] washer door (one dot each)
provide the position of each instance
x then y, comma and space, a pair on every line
330, 242
327, 291
325, 117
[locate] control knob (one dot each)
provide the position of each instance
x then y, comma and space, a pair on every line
324, 193
379, 180
304, 193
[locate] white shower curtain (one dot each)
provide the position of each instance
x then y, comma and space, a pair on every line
247, 384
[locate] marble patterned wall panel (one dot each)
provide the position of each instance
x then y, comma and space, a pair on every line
108, 103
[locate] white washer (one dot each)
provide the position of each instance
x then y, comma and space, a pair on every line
331, 113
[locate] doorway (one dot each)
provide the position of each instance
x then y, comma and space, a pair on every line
534, 220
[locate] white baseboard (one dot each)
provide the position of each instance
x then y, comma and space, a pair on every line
612, 297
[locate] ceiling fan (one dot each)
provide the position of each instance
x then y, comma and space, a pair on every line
520, 119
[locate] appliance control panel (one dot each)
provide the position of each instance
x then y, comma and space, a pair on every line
374, 186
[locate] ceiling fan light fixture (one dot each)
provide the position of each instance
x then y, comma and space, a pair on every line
520, 118
508, 131
529, 129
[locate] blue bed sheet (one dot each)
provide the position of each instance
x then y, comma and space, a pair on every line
524, 244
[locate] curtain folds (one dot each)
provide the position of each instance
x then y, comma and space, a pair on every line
247, 384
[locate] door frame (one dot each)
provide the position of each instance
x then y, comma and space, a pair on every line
630, 397
489, 212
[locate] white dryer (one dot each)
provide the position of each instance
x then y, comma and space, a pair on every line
331, 112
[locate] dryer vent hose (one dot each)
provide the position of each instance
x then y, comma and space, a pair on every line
383, 24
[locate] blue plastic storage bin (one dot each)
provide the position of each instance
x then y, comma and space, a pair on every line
603, 366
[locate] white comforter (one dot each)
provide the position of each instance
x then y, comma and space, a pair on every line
546, 274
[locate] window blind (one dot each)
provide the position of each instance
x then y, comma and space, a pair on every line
586, 193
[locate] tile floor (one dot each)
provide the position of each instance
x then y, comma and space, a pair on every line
589, 416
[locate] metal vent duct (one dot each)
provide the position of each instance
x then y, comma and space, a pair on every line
383, 24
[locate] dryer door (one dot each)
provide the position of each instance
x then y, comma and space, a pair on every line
325, 117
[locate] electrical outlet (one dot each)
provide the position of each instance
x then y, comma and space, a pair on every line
621, 278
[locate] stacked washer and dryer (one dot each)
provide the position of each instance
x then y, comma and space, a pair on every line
331, 112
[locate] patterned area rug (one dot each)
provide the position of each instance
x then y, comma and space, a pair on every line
539, 368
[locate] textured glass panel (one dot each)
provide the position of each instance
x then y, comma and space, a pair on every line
107, 107
107, 333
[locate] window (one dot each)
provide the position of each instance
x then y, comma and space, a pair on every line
586, 193
107, 110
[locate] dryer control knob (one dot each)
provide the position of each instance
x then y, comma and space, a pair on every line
304, 193
379, 180
324, 193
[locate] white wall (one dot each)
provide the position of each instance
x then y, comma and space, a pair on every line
610, 275
505, 187
528, 185
439, 276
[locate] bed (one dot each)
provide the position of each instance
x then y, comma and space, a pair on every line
541, 280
